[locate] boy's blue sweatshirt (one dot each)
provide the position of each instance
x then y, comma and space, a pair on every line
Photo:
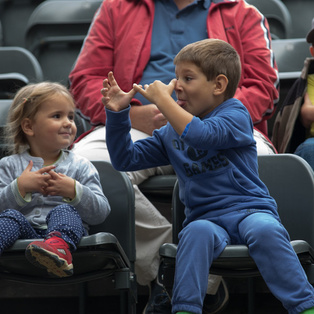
215, 159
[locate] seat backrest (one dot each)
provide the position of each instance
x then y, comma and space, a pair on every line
4, 110
1, 32
278, 17
65, 18
290, 55
121, 221
55, 32
20, 60
14, 15
82, 125
301, 14
10, 83
290, 180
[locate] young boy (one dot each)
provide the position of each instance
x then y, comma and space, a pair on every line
209, 141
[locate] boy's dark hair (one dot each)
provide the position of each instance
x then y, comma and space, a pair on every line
214, 57
310, 35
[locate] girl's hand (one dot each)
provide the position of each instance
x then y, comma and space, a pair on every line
113, 97
61, 185
34, 181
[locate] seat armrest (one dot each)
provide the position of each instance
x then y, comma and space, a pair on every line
160, 184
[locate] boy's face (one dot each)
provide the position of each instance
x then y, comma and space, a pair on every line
194, 92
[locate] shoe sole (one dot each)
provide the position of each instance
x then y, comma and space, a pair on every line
55, 266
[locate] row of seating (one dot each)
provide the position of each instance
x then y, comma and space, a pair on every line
47, 45
280, 13
55, 32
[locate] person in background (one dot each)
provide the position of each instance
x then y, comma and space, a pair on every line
217, 169
306, 149
138, 41
46, 190
293, 130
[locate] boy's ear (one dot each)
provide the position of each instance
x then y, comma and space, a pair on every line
312, 50
26, 126
221, 84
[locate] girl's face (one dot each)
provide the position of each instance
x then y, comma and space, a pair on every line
194, 92
53, 127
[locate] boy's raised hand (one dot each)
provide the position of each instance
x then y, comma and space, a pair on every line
156, 91
114, 98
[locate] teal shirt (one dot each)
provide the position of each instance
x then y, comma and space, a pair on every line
172, 30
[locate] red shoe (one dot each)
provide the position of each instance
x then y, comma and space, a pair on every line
52, 254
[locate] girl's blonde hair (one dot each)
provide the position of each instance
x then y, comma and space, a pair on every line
25, 105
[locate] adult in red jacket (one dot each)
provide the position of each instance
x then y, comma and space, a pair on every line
120, 40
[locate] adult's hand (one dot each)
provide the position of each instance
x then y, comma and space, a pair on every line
147, 118
307, 112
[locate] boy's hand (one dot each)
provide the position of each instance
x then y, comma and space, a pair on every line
61, 185
156, 91
160, 94
34, 181
113, 97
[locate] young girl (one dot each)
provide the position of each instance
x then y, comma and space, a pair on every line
46, 191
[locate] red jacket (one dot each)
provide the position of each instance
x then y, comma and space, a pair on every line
120, 40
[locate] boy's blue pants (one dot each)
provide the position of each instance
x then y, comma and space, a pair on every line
63, 218
201, 241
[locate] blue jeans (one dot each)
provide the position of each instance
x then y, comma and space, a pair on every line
63, 218
306, 151
202, 241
